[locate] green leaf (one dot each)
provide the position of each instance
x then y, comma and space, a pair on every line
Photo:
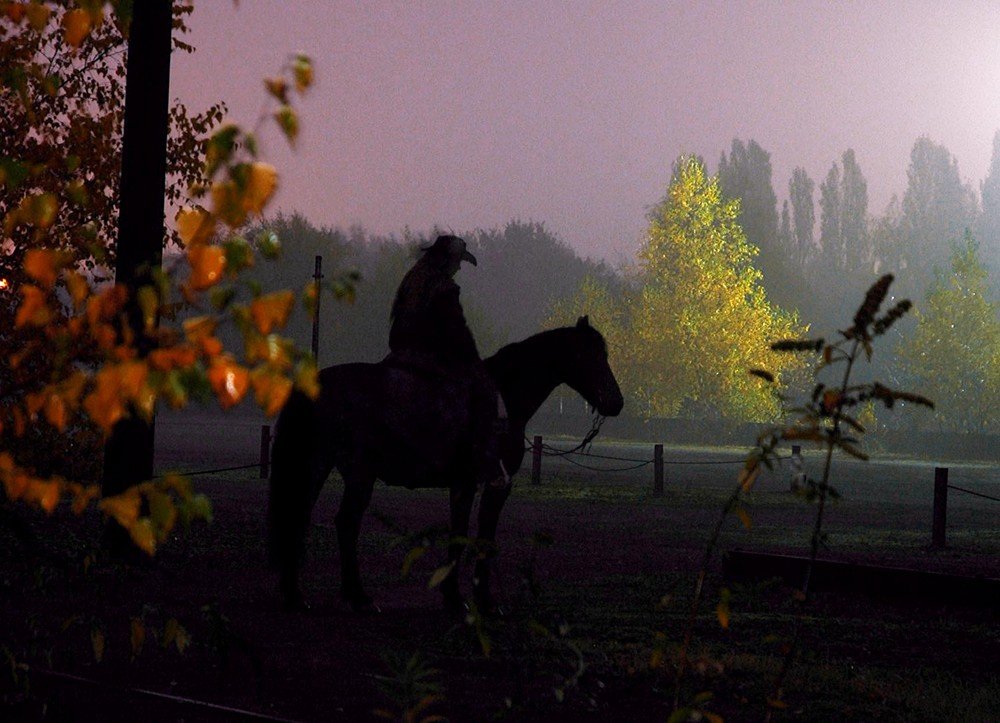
411, 557
269, 244
440, 574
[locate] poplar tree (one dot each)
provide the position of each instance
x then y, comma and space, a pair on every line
701, 318
954, 356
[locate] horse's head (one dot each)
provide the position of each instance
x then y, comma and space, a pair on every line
587, 370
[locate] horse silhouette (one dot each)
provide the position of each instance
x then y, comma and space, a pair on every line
353, 426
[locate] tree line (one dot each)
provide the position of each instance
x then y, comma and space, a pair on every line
721, 273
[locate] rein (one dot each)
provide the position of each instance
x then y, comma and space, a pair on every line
595, 429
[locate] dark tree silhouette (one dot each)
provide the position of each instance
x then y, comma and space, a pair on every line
129, 452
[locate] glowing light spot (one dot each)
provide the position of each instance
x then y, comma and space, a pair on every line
231, 384
4, 285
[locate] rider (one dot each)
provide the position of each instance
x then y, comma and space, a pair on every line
429, 330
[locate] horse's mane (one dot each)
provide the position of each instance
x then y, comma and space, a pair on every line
549, 342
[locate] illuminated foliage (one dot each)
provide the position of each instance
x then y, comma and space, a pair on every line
70, 357
955, 352
701, 316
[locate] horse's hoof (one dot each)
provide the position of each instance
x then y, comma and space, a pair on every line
456, 605
490, 608
295, 604
366, 608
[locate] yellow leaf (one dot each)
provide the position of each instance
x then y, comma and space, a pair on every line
228, 203
39, 210
278, 88
143, 535
439, 575
76, 24
307, 379
78, 288
303, 72
195, 225
261, 182
207, 266
38, 16
744, 517
97, 643
289, 123
271, 310
123, 508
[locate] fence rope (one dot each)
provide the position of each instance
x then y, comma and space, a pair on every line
974, 494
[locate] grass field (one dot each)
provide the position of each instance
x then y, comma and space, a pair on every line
595, 575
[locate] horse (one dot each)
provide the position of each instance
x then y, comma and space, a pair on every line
346, 427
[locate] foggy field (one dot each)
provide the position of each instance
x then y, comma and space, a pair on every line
593, 571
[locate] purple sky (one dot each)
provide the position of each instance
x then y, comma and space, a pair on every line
470, 114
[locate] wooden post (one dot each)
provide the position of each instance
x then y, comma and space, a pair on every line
265, 451
798, 471
317, 277
940, 518
658, 470
536, 460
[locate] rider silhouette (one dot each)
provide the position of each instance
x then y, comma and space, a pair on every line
429, 332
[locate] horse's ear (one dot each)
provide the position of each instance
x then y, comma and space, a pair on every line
582, 322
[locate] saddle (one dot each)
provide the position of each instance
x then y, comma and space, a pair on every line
428, 408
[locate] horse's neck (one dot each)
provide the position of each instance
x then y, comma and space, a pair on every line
526, 376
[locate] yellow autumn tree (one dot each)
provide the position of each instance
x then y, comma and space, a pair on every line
700, 318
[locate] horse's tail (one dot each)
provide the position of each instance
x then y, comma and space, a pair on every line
295, 461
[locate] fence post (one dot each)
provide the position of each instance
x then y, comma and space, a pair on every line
536, 460
940, 518
658, 470
798, 471
265, 451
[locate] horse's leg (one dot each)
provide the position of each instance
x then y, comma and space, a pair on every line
462, 497
358, 486
492, 501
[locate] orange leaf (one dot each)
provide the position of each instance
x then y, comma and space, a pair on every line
76, 24
44, 493
271, 310
55, 411
104, 403
78, 288
229, 380
82, 496
42, 265
34, 309
271, 390
207, 266
15, 11
198, 327
194, 225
